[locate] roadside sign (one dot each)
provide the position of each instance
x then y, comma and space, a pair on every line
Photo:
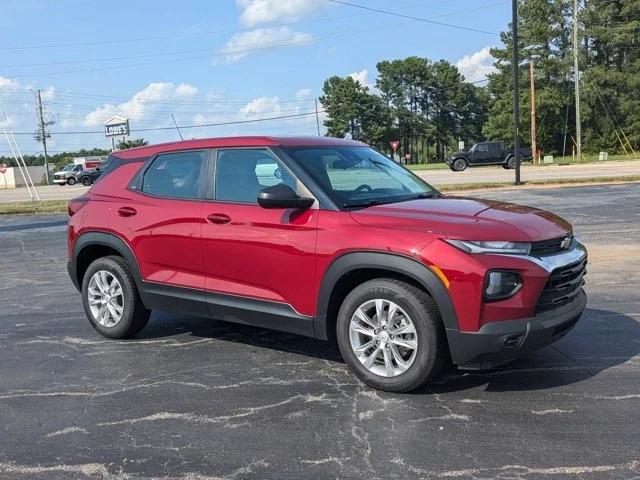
3, 168
395, 144
117, 129
460, 146
116, 126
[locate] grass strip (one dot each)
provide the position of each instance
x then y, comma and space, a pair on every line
34, 207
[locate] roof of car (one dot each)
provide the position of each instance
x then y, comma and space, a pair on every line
257, 141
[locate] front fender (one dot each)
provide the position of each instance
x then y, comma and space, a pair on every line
393, 263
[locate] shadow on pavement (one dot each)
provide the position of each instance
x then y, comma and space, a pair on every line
601, 340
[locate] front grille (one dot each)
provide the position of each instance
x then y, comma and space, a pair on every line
547, 247
563, 285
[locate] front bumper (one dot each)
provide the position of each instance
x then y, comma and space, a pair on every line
60, 181
497, 343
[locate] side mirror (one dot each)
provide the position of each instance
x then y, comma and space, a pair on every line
282, 196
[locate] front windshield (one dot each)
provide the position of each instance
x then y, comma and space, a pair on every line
68, 167
360, 176
473, 149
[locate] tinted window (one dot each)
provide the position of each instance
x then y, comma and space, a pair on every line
242, 173
174, 175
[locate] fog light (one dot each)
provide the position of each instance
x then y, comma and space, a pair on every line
500, 285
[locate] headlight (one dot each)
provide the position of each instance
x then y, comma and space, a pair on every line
499, 285
517, 248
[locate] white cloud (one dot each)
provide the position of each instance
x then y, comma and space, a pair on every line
258, 12
241, 44
362, 77
262, 106
303, 93
477, 65
142, 103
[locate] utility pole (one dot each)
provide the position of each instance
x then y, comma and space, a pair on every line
516, 87
315, 101
576, 73
42, 134
534, 142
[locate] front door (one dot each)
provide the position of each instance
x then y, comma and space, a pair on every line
257, 259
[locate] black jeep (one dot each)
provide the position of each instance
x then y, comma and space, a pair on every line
487, 153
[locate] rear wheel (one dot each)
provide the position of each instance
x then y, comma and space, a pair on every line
511, 163
389, 333
71, 181
111, 300
459, 165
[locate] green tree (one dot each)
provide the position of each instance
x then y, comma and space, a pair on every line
126, 144
610, 82
545, 39
351, 109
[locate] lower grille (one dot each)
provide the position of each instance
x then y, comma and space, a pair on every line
563, 286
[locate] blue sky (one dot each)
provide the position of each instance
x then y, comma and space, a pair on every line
212, 61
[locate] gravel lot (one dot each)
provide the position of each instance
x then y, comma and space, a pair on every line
198, 399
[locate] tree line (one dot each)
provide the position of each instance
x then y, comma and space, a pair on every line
428, 105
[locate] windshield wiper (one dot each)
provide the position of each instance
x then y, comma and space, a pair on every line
364, 204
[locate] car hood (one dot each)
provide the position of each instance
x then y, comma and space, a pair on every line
467, 218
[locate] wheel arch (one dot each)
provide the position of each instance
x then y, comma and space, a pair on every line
91, 245
353, 268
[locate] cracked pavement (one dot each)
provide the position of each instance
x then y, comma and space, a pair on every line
195, 399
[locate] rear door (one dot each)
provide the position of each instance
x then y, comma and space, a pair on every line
161, 214
264, 259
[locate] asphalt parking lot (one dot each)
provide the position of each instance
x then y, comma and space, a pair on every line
199, 399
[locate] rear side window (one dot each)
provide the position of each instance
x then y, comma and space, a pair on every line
175, 175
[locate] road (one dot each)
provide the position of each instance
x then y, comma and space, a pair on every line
550, 172
435, 177
200, 399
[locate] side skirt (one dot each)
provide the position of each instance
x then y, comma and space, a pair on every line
228, 308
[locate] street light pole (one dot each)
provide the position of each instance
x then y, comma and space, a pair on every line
516, 88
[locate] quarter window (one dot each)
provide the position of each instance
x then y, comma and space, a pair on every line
242, 173
174, 175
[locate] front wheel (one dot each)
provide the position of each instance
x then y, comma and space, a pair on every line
71, 181
111, 300
511, 163
86, 181
390, 334
459, 165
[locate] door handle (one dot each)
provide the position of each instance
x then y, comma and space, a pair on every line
219, 218
127, 211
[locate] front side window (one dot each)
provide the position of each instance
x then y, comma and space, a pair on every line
174, 175
242, 173
357, 176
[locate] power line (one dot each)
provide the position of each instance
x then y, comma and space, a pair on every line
411, 17
219, 124
264, 45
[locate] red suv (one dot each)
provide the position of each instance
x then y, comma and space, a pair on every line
326, 238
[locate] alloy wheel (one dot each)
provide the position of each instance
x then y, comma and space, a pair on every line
106, 299
383, 337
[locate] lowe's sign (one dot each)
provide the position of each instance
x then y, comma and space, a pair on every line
117, 129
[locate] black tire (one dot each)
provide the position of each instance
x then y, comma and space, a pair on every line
511, 162
505, 166
431, 353
71, 181
459, 165
86, 181
135, 316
